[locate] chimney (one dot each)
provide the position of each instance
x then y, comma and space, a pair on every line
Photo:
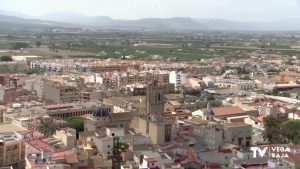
141, 159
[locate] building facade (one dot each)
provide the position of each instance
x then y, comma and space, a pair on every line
178, 78
60, 93
153, 123
12, 150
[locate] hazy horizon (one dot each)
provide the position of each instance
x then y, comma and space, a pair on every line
240, 10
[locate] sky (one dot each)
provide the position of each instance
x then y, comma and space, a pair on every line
242, 10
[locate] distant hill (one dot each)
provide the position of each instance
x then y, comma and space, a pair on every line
68, 17
159, 24
177, 23
9, 22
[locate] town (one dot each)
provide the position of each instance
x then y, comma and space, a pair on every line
84, 97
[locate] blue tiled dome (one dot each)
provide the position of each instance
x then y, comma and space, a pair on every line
101, 112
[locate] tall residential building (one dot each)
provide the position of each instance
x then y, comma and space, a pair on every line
178, 78
56, 92
12, 148
12, 152
7, 95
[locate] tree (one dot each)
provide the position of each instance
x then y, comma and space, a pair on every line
242, 70
247, 78
47, 129
6, 59
19, 45
215, 103
33, 71
210, 97
290, 130
123, 146
38, 43
193, 92
76, 123
273, 130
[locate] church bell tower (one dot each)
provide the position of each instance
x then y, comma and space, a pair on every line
155, 99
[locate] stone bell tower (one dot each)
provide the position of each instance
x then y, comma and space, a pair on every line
155, 99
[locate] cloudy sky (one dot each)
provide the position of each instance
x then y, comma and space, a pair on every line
244, 10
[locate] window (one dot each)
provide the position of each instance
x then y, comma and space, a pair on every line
147, 127
248, 143
108, 146
167, 133
158, 97
121, 125
240, 141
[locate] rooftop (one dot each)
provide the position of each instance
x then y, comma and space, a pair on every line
230, 125
41, 145
10, 128
58, 106
228, 110
198, 121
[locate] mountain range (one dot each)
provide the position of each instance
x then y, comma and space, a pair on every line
66, 19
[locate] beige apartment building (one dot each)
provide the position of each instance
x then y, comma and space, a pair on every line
214, 134
12, 153
239, 134
55, 92
143, 78
67, 137
12, 147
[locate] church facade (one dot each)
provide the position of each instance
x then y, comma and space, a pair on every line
153, 121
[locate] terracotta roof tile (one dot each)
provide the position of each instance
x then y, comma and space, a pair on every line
223, 111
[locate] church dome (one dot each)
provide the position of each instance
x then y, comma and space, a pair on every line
101, 112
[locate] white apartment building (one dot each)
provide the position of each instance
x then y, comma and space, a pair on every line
177, 77
235, 83
104, 143
149, 159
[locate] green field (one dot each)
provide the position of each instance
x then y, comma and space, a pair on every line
145, 52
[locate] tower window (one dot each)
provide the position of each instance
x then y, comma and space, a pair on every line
158, 97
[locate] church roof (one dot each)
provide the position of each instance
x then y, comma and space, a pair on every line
101, 112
